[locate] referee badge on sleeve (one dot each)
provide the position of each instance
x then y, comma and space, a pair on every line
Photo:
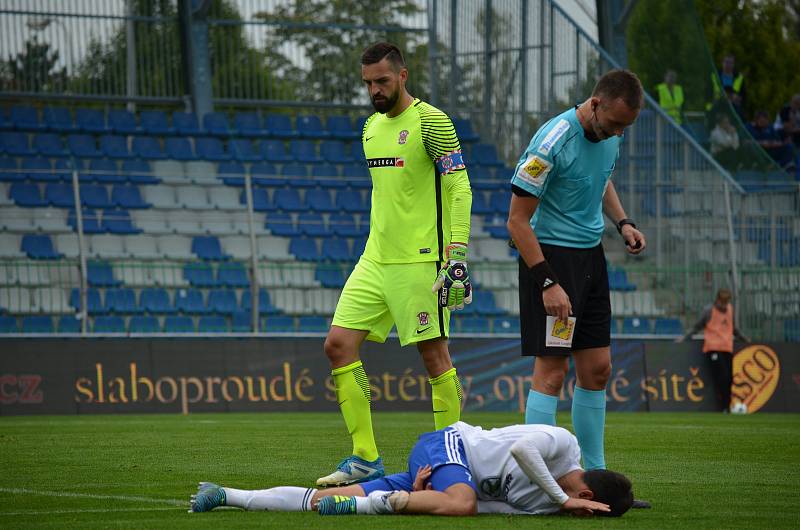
534, 171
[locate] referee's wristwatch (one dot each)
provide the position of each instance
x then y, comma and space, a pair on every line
624, 222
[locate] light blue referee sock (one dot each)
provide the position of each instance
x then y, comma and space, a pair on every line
541, 408
589, 422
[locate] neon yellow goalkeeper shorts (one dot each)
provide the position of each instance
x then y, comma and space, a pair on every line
379, 295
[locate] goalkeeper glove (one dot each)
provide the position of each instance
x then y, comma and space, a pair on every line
453, 283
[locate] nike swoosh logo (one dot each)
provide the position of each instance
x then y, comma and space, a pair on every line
423, 330
368, 138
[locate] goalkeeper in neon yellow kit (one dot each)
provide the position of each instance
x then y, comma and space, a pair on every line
414, 267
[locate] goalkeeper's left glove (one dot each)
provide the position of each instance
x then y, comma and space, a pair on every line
453, 283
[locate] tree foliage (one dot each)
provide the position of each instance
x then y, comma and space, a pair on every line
33, 69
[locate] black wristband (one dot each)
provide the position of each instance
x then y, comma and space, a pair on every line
624, 222
543, 275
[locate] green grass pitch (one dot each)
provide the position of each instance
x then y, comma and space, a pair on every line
698, 470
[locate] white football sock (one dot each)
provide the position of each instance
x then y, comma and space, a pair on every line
281, 499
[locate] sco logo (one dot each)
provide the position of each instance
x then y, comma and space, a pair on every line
756, 371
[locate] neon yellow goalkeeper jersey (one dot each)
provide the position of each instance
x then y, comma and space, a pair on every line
421, 197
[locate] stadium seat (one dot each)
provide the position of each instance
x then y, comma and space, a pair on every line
49, 145
304, 151
668, 326
90, 218
248, 124
211, 149
499, 201
484, 304
310, 126
39, 246
241, 322
101, 274
636, 326
105, 171
25, 119
304, 249
266, 175
334, 152
59, 119
281, 224
275, 151
154, 122
156, 301
37, 324
212, 324
222, 301
319, 200
356, 176
208, 248
192, 197
297, 176
505, 325
94, 303
265, 306
9, 170
341, 127
231, 173
278, 324
199, 275
128, 197
351, 201
485, 155
288, 200
232, 275
280, 125
83, 146
186, 123
139, 172
95, 196
330, 276
16, 144
144, 324
344, 225
178, 324
474, 325
464, 130
123, 122
118, 222
8, 324
312, 324
312, 224
327, 176
178, 148
242, 149
216, 123
109, 324
10, 246
91, 121
69, 324
261, 200
618, 280
122, 301
106, 246
115, 147
39, 169
190, 302
148, 148
141, 247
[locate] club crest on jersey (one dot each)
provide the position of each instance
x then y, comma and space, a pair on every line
385, 162
423, 318
403, 137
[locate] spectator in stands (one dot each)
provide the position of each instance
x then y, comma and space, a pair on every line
720, 329
728, 79
788, 121
770, 140
670, 96
724, 141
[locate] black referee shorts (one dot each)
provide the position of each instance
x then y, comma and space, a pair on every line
582, 274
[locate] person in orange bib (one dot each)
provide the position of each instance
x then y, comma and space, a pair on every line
719, 331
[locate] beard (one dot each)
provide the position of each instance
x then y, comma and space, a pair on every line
384, 105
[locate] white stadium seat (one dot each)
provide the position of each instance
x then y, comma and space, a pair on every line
142, 246
106, 246
151, 221
67, 244
192, 197
160, 196
175, 247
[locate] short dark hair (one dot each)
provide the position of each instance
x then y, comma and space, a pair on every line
383, 50
612, 488
621, 84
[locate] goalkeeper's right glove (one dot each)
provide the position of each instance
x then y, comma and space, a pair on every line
453, 283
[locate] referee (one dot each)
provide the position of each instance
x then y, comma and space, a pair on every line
561, 187
414, 268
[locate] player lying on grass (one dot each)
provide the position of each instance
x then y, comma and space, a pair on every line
460, 470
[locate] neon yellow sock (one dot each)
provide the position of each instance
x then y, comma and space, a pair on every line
353, 395
446, 397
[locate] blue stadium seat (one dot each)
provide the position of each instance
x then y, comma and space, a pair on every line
95, 196
144, 324
232, 275
312, 224
63, 169
248, 124
278, 324
26, 119
59, 119
222, 301
304, 249
336, 249
474, 325
499, 201
9, 170
480, 206
281, 224
319, 200
216, 123
241, 322
122, 301
261, 200
139, 172
275, 151
208, 248
280, 125
312, 324
485, 155
128, 197
199, 275
186, 123
16, 144
148, 148
297, 175
341, 127
109, 324
505, 325
91, 121
344, 225
329, 276
327, 176
242, 149
231, 173
190, 302
27, 195
59, 195
105, 171
618, 280
49, 145
37, 324
39, 169
334, 152
351, 201
5, 122
485, 304
266, 174
115, 147
288, 200
154, 122
464, 130
156, 301
304, 151
69, 324
39, 246
8, 324
123, 122
358, 152
265, 306
101, 274
636, 326
668, 326
356, 176
94, 303
791, 330
310, 126
211, 149
83, 146
91, 221
178, 324
118, 222
178, 148
212, 324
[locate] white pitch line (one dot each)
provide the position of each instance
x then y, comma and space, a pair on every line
98, 510
130, 498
